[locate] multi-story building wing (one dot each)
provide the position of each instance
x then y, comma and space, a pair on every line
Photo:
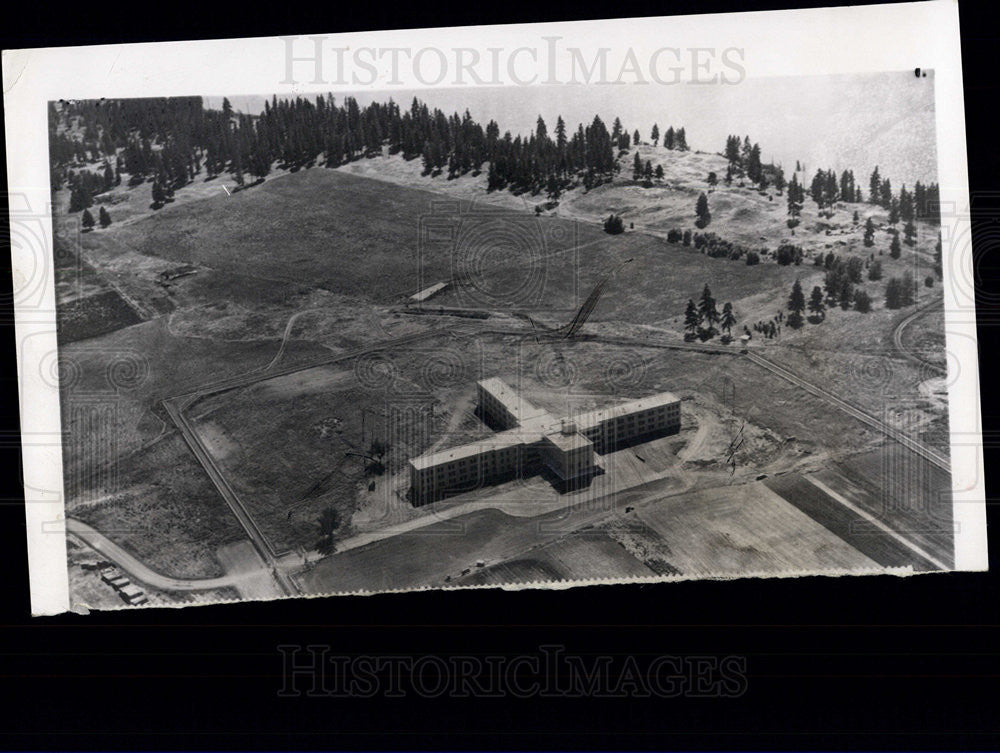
532, 438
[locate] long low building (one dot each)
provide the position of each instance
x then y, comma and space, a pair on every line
531, 439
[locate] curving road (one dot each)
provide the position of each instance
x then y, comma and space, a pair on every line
897, 340
127, 562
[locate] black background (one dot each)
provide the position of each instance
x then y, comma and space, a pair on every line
832, 663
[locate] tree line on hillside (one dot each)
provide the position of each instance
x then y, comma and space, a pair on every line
170, 140
827, 188
922, 203
744, 162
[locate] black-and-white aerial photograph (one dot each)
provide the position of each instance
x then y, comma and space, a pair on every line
487, 377
331, 344
657, 317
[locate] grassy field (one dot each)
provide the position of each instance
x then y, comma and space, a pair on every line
653, 289
585, 555
737, 530
284, 441
319, 228
845, 523
903, 490
164, 510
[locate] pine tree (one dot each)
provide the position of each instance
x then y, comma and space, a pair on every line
659, 172
655, 135
816, 304
862, 302
846, 296
701, 209
869, 239
910, 233
728, 319
560, 134
875, 271
895, 250
691, 318
905, 205
886, 196
157, 193
753, 164
635, 137
707, 313
88, 220
796, 304
637, 167
104, 218
875, 187
732, 150
796, 196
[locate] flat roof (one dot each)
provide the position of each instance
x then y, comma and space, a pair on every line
567, 442
591, 418
426, 293
520, 407
536, 424
499, 441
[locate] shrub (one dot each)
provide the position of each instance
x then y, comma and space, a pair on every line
929, 281
792, 222
854, 268
862, 302
614, 225
753, 258
788, 254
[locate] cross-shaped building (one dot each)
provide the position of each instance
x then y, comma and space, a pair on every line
529, 437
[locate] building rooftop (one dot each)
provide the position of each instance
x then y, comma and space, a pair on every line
536, 424
520, 408
499, 441
592, 418
426, 293
566, 442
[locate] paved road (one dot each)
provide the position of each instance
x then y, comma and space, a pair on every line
253, 531
127, 562
936, 458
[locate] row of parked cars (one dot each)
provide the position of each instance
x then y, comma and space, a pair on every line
128, 591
